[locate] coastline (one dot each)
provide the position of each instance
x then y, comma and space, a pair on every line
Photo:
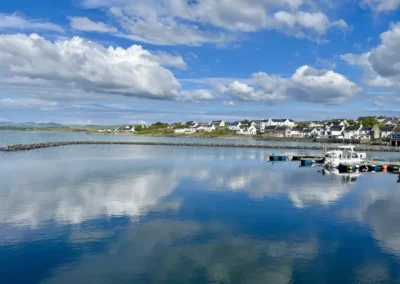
25, 147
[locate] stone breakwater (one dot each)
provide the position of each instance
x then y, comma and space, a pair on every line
24, 147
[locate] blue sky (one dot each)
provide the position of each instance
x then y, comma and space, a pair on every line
121, 61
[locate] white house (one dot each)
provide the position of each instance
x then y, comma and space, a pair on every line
259, 124
234, 126
386, 131
247, 130
365, 133
280, 122
391, 121
352, 132
205, 127
307, 132
193, 124
185, 130
219, 123
128, 128
337, 122
395, 137
313, 124
313, 132
294, 132
334, 131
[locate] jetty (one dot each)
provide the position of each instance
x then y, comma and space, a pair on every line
25, 147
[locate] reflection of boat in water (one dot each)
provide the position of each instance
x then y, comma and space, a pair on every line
346, 177
343, 155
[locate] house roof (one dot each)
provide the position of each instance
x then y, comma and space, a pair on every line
271, 127
281, 128
336, 128
397, 129
308, 130
352, 128
366, 128
216, 121
387, 128
236, 123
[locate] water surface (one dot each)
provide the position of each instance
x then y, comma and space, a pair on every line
145, 214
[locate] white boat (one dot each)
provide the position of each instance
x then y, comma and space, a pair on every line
343, 155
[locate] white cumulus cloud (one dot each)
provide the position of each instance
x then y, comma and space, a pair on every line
169, 22
306, 84
15, 22
85, 24
79, 66
381, 5
381, 65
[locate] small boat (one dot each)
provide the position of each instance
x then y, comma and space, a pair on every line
344, 155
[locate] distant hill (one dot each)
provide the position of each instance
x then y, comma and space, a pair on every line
35, 124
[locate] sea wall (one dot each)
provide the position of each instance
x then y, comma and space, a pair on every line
24, 147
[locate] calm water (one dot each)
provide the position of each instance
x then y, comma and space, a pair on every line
26, 137
145, 214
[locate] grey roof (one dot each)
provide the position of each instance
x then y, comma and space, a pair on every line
281, 128
397, 129
307, 130
352, 128
336, 128
366, 128
387, 128
216, 121
236, 123
271, 127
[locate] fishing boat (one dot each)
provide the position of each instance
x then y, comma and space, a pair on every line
343, 155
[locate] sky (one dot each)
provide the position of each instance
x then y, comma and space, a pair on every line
142, 61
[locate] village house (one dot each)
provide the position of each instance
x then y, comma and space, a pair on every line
128, 128
352, 132
334, 131
193, 124
294, 132
218, 123
386, 131
185, 130
313, 132
282, 131
234, 126
206, 127
391, 121
307, 132
269, 129
260, 124
395, 136
337, 122
365, 133
280, 122
313, 124
247, 130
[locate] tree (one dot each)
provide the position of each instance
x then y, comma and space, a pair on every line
159, 125
245, 121
139, 127
302, 125
351, 122
368, 121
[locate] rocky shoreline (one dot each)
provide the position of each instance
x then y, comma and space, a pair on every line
24, 147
